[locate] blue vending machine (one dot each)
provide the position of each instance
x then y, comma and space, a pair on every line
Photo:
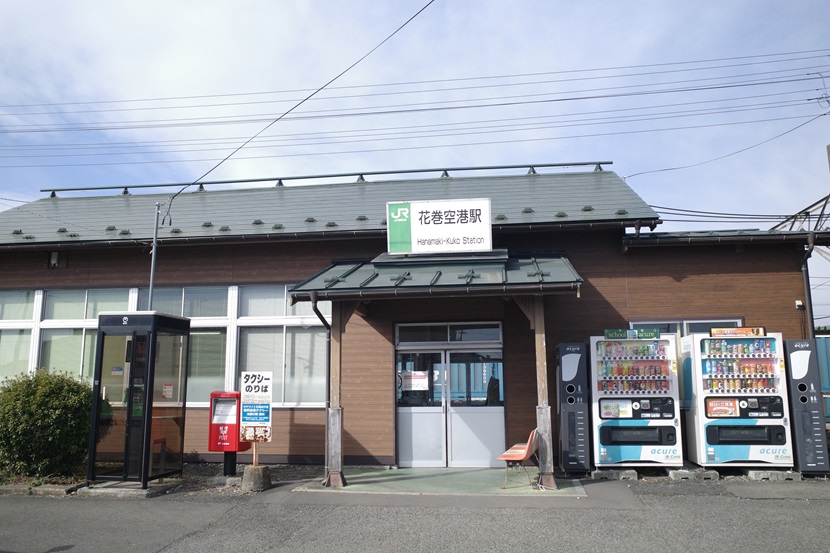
635, 399
735, 385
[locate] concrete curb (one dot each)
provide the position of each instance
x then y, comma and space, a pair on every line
128, 490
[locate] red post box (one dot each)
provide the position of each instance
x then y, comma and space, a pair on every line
223, 433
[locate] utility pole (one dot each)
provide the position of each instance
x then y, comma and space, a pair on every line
153, 258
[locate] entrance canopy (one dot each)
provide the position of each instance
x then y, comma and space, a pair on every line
492, 273
496, 273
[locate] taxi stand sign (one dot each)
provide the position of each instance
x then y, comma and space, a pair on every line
441, 226
256, 394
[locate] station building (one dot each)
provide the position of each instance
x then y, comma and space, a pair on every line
409, 359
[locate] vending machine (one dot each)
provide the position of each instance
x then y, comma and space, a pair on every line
806, 409
573, 407
734, 384
636, 417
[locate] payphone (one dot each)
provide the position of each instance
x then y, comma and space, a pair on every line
139, 395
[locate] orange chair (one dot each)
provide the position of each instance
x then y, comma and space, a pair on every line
520, 453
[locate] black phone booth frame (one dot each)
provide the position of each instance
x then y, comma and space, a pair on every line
139, 397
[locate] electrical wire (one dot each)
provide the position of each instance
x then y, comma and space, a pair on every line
315, 152
397, 109
514, 122
444, 90
317, 139
822, 54
269, 125
736, 152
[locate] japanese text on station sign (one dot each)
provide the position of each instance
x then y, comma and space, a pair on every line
439, 226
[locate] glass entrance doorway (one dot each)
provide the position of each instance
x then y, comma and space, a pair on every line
450, 408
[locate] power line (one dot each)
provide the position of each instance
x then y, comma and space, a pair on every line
320, 139
736, 152
414, 148
269, 125
381, 111
821, 54
373, 131
441, 90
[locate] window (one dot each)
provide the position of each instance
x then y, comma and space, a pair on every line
165, 300
17, 305
206, 302
105, 300
262, 301
83, 304
57, 330
448, 333
261, 349
422, 333
691, 327
206, 373
65, 304
305, 365
684, 328
475, 333
68, 350
273, 301
14, 352
209, 301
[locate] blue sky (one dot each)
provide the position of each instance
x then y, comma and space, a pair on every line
118, 93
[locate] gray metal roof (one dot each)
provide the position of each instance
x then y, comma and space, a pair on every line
343, 209
493, 273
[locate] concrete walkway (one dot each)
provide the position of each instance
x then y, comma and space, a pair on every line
443, 481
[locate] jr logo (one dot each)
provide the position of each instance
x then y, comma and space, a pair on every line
402, 214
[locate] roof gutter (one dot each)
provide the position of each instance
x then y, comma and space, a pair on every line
189, 241
306, 236
628, 223
448, 291
647, 242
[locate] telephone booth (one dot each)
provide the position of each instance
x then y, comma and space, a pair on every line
139, 395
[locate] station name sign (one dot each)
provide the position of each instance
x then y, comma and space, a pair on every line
440, 226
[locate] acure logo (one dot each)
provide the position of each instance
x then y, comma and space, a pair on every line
402, 214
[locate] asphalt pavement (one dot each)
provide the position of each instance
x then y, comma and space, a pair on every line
651, 514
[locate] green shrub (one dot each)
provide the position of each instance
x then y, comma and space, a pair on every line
44, 424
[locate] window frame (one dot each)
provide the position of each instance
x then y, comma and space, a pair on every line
230, 322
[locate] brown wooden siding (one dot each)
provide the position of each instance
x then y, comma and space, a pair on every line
295, 433
758, 283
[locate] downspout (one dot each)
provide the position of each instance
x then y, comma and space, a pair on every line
808, 296
313, 297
